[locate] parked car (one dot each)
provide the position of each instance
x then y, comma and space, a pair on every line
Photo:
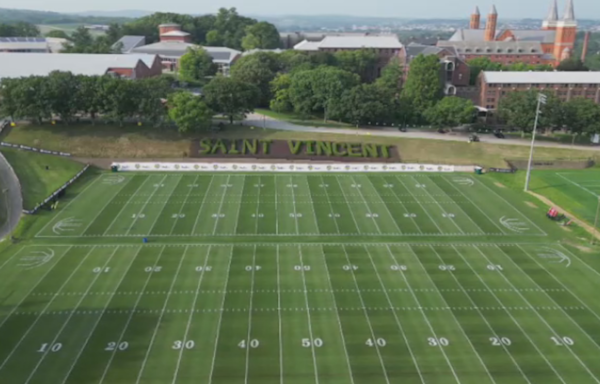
473, 138
499, 134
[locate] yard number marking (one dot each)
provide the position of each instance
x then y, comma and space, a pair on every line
156, 268
178, 216
559, 341
158, 185
101, 270
398, 267
494, 267
53, 347
138, 216
301, 267
435, 341
193, 185
226, 185
254, 343
324, 185
372, 215
388, 185
500, 341
295, 215
334, 215
420, 186
447, 268
307, 343
253, 268
178, 344
292, 185
356, 186
114, 346
376, 342
258, 185
448, 215
410, 215
208, 268
258, 215
350, 267
218, 215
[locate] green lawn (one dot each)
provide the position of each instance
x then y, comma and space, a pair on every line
313, 121
37, 182
277, 278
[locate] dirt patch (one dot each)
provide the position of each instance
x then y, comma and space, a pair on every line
584, 249
531, 204
577, 221
567, 229
499, 185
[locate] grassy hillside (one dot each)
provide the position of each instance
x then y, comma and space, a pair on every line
37, 182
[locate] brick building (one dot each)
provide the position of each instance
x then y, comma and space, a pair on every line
493, 86
551, 44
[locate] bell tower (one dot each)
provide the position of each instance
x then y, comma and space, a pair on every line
552, 19
490, 25
566, 33
475, 19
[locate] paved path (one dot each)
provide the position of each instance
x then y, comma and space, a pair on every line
259, 120
10, 198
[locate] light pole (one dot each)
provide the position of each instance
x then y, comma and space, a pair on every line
541, 99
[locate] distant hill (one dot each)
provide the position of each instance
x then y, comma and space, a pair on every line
43, 17
128, 13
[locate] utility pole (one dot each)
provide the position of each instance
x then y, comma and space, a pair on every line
541, 99
595, 229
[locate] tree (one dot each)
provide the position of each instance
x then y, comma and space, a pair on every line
61, 88
189, 112
363, 62
230, 97
262, 35
58, 33
451, 112
363, 104
292, 60
196, 66
572, 64
258, 69
479, 64
582, 116
20, 29
391, 77
280, 88
518, 109
423, 85
82, 41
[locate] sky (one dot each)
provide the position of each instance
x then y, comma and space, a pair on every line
382, 8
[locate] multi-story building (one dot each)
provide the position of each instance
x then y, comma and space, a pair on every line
31, 44
493, 86
551, 44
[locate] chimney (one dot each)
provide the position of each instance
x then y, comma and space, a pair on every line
490, 25
586, 43
475, 19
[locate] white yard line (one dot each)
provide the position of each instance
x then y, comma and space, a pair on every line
511, 316
421, 205
248, 337
214, 358
276, 207
239, 210
189, 322
473, 203
202, 204
165, 204
540, 316
442, 208
312, 206
162, 313
366, 205
37, 319
221, 205
337, 227
12, 257
144, 206
580, 260
398, 322
401, 203
310, 331
120, 338
112, 295
460, 326
294, 205
257, 209
69, 203
381, 200
364, 308
183, 205
35, 285
120, 210
279, 322
577, 184
350, 208
441, 348
511, 205
66, 322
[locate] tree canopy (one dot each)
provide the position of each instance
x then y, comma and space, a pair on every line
82, 41
19, 29
518, 110
230, 97
362, 62
261, 35
572, 64
485, 64
190, 113
423, 87
196, 66
451, 111
258, 69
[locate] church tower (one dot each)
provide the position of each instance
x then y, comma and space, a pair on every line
566, 33
552, 19
475, 19
490, 25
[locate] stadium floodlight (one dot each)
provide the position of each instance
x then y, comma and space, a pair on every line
541, 99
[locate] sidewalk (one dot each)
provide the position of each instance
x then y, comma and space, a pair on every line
258, 120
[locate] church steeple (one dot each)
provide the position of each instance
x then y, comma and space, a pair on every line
475, 19
552, 19
569, 12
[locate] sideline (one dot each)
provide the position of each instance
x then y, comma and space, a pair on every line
589, 228
10, 197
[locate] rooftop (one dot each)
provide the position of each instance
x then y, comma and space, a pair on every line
541, 77
357, 42
494, 47
177, 49
306, 45
16, 65
129, 42
175, 34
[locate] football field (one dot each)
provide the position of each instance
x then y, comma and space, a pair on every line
297, 278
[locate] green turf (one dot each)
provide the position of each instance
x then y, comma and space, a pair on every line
37, 182
281, 278
313, 121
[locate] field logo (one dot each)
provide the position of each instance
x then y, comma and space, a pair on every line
253, 167
196, 166
113, 180
515, 225
385, 167
291, 167
176, 166
329, 167
422, 167
215, 166
36, 259
137, 166
66, 225
403, 167
554, 256
310, 167
157, 166
464, 181
234, 166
